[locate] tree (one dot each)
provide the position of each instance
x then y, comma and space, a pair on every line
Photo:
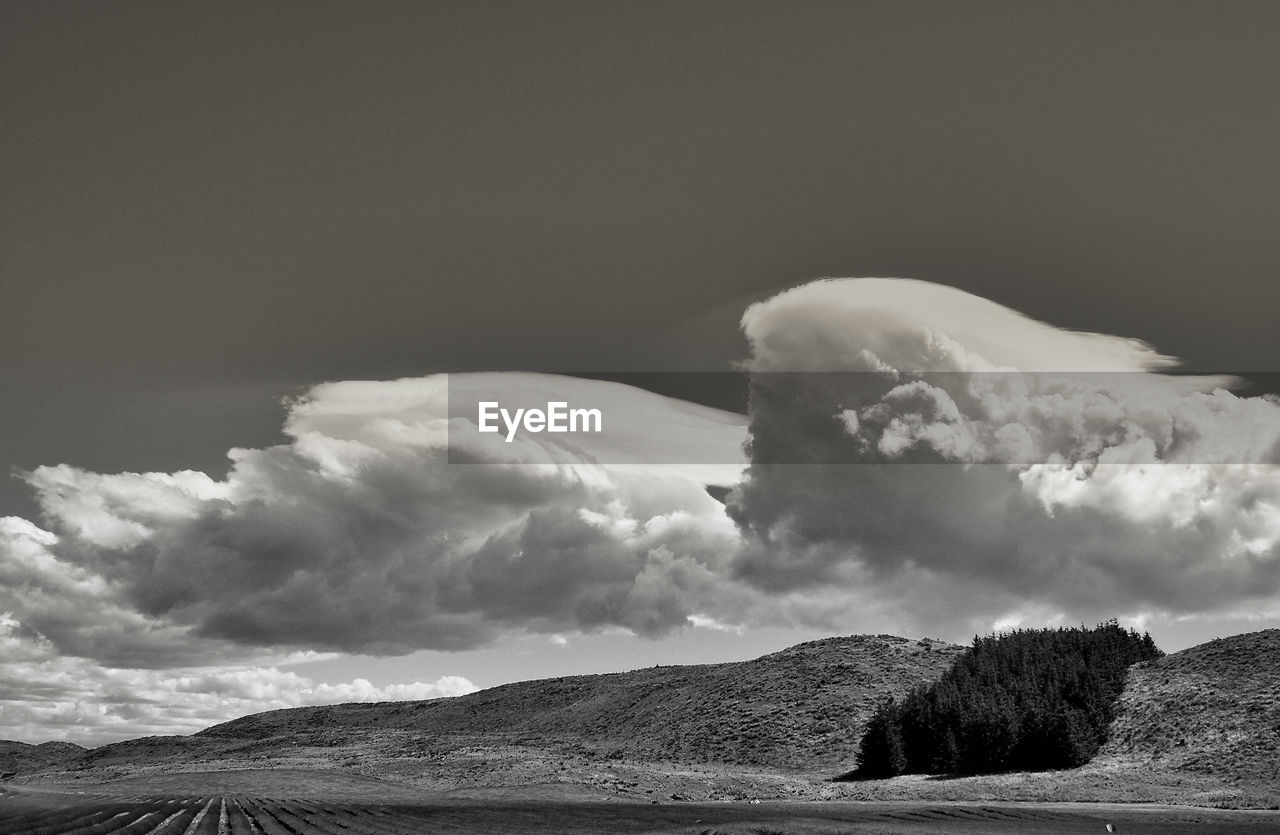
1028, 699
882, 753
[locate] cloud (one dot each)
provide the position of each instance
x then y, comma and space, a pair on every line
46, 695
921, 461
68, 600
971, 464
870, 324
360, 535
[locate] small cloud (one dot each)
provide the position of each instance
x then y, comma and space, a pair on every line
1007, 623
699, 621
45, 695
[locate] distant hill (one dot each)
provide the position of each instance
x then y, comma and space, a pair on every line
1211, 709
1202, 725
802, 708
20, 757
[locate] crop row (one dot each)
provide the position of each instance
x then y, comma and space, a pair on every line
204, 816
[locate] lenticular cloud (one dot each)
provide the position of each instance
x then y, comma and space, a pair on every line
964, 458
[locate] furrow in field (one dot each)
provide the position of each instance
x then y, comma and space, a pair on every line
368, 820
23, 817
390, 823
224, 826
137, 820
155, 819
112, 824
294, 815
259, 811
61, 821
352, 820
396, 821
417, 819
193, 825
175, 823
239, 822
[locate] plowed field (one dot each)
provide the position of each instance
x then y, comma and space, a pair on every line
47, 813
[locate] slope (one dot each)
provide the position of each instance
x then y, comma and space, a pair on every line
21, 757
802, 708
1211, 709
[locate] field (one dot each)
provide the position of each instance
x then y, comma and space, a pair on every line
45, 813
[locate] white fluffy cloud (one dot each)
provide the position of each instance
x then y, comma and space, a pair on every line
360, 535
870, 324
47, 695
961, 458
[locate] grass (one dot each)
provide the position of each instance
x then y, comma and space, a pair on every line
1199, 727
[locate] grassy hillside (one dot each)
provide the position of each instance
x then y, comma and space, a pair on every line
802, 708
21, 757
1197, 727
1212, 709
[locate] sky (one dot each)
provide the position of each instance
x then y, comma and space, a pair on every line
238, 243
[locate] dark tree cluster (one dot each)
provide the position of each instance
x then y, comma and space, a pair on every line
1029, 700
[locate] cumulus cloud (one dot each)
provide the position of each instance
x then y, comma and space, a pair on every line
47, 695
965, 461
68, 601
361, 535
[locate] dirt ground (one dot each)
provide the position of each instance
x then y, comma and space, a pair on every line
280, 802
237, 815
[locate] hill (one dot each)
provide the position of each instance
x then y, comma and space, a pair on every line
1211, 709
1197, 727
19, 757
801, 709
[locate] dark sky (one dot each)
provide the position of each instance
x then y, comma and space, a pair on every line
208, 206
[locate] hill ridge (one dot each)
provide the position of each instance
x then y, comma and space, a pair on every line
1213, 708
1200, 725
801, 707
